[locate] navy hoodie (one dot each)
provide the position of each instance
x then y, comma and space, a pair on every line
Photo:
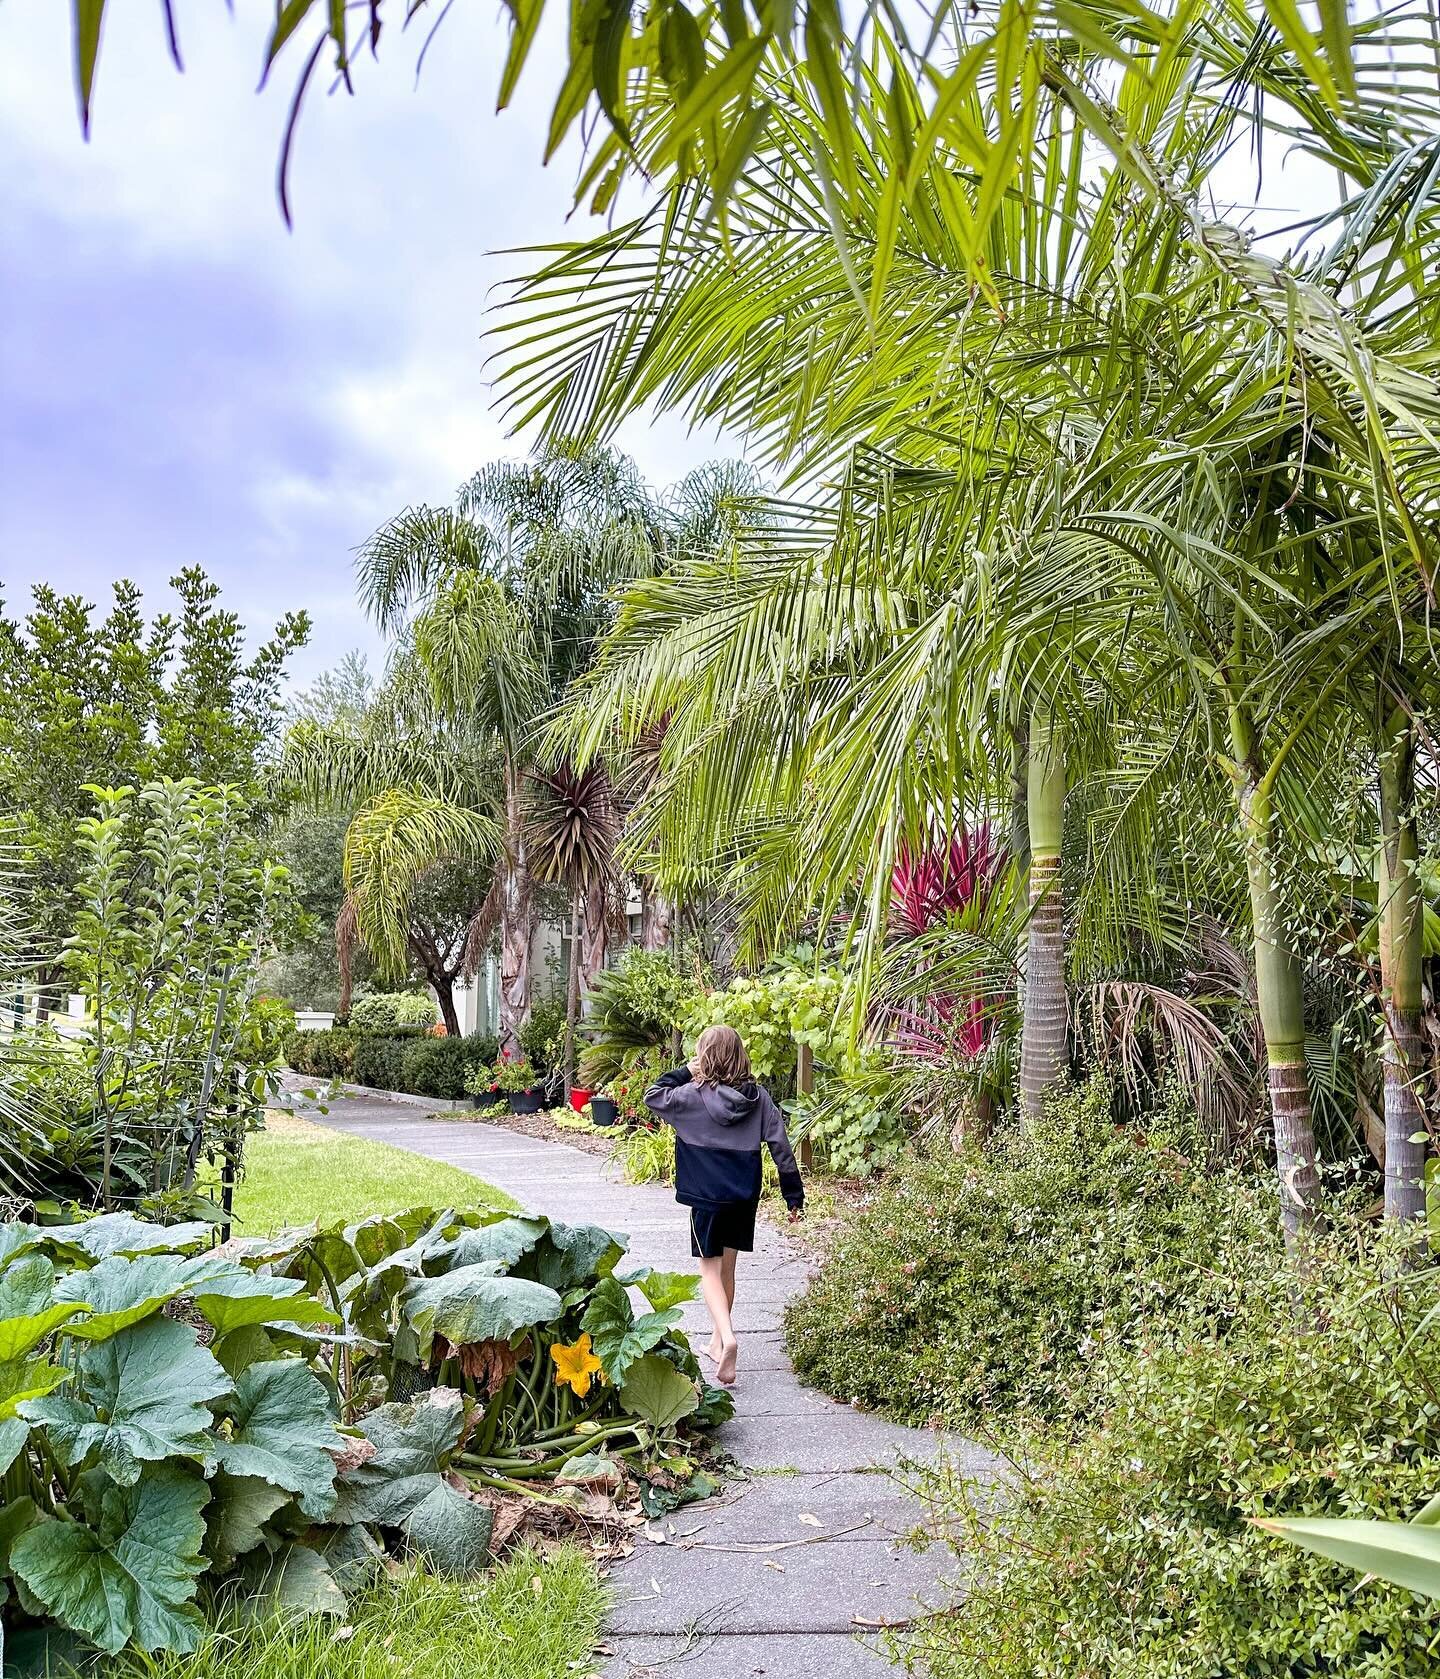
718, 1133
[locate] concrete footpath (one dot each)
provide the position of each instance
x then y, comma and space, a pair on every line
789, 1572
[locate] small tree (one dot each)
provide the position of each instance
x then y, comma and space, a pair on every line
175, 907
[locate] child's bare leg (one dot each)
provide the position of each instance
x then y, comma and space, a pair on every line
712, 1286
728, 1259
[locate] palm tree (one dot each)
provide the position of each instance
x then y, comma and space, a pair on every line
1138, 364
503, 598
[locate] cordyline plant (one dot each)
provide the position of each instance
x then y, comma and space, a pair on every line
272, 1416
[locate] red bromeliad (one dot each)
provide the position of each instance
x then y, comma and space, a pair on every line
927, 886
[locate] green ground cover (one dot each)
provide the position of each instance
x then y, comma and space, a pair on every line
535, 1617
297, 1171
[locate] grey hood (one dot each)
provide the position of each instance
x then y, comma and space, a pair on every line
725, 1104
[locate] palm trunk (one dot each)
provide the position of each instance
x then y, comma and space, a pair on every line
595, 935
515, 920
1280, 993
572, 992
1044, 1052
1401, 974
656, 917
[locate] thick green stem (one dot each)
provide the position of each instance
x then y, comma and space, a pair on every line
1280, 993
1044, 1052
1402, 949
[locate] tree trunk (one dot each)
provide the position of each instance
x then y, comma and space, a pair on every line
657, 917
1044, 1052
1401, 973
1280, 993
572, 993
594, 937
515, 920
445, 996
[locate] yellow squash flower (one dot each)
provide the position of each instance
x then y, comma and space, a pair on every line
575, 1365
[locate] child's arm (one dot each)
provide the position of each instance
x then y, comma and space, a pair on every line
657, 1097
772, 1129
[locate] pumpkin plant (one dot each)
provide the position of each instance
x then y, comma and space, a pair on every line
271, 1416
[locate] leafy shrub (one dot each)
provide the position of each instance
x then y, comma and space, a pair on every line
378, 1061
328, 1054
635, 1006
434, 1067
384, 1011
634, 1077
1127, 1551
976, 1282
542, 1037
512, 1074
174, 1465
775, 1012
645, 1154
852, 1120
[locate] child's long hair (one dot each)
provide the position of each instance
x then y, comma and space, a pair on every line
720, 1057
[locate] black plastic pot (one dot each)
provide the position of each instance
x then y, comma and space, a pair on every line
603, 1111
527, 1101
489, 1099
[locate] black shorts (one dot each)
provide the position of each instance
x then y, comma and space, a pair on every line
713, 1229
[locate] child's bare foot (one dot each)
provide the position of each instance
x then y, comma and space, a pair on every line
725, 1367
716, 1347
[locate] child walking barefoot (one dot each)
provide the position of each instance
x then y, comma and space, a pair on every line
721, 1117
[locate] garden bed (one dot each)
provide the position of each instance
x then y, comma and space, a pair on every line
541, 1125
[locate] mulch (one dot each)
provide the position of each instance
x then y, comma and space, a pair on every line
540, 1125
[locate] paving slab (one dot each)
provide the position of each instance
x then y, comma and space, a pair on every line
742, 1589
834, 1655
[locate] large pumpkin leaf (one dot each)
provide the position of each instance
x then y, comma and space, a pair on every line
662, 1289
27, 1378
29, 1310
296, 1581
138, 1398
14, 1432
656, 1391
576, 1253
130, 1575
280, 1429
472, 1304
240, 1506
17, 1238
239, 1298
109, 1233
503, 1241
120, 1291
413, 1444
450, 1531
617, 1336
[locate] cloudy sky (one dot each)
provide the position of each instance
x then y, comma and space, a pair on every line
182, 381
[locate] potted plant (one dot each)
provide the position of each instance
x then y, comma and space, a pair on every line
579, 1097
518, 1080
604, 1110
482, 1087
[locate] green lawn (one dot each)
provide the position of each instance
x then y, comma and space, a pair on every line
534, 1618
296, 1171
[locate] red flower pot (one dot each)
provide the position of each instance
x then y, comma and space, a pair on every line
579, 1097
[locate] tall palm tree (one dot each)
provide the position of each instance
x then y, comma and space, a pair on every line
503, 598
1142, 360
